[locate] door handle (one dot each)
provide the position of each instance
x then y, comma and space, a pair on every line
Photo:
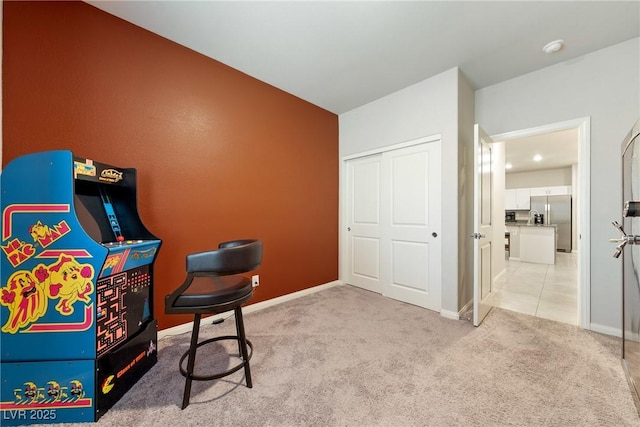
477, 236
624, 240
631, 208
434, 234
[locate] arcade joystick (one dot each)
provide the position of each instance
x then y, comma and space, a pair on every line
120, 239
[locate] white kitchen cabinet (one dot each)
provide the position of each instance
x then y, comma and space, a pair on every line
510, 200
556, 190
517, 199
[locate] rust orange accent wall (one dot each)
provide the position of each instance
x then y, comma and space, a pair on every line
220, 155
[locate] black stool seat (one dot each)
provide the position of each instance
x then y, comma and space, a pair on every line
207, 292
214, 285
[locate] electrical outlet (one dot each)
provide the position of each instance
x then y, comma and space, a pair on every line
255, 280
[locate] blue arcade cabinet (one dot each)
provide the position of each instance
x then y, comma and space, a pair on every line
77, 328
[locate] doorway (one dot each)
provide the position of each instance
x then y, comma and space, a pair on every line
549, 285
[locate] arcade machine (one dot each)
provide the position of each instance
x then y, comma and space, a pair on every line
76, 289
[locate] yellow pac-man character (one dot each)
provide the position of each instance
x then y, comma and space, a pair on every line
107, 385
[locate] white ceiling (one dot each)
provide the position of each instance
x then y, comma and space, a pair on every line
340, 55
558, 150
343, 54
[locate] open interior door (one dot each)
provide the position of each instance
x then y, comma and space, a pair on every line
482, 225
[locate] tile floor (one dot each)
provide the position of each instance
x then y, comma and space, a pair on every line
547, 291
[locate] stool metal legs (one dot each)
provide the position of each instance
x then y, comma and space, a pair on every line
245, 351
242, 344
192, 360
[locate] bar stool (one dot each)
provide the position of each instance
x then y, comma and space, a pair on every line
214, 285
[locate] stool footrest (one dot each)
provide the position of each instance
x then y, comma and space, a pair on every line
222, 374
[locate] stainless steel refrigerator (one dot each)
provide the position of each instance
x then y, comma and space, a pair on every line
556, 210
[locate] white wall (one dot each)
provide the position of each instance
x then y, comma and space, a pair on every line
605, 86
539, 178
424, 109
466, 159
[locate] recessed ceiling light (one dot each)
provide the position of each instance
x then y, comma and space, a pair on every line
508, 166
553, 47
537, 158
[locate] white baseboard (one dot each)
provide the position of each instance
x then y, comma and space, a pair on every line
456, 315
450, 314
187, 327
607, 330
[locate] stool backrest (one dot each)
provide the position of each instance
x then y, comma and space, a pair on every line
232, 257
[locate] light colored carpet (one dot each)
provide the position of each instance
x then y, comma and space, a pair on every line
348, 357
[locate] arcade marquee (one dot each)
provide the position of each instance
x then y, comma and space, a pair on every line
76, 289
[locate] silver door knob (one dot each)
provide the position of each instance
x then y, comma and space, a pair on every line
623, 241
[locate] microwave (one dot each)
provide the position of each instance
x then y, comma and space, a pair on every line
509, 216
